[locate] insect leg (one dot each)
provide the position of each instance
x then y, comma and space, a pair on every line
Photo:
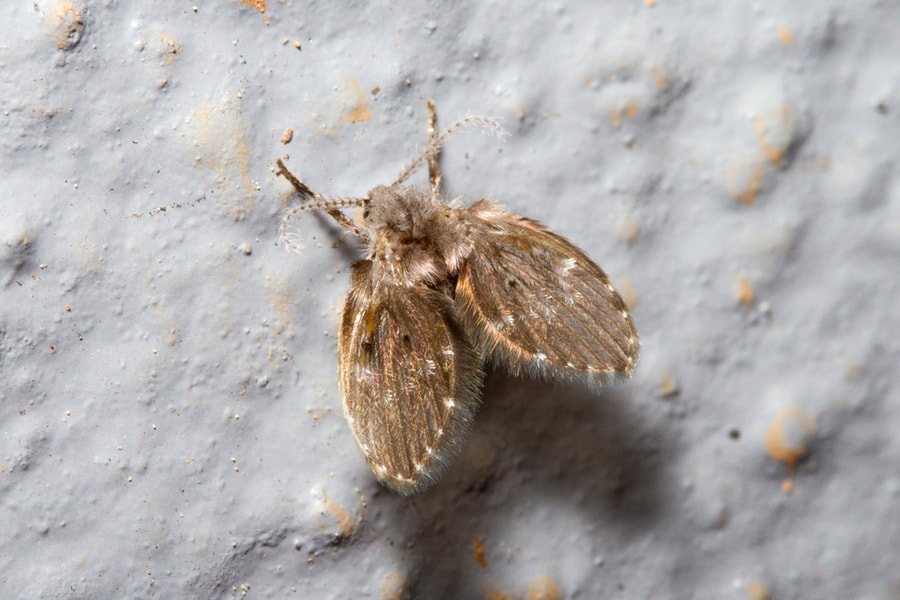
434, 169
307, 194
436, 141
301, 187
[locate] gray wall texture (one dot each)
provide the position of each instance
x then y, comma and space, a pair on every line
170, 420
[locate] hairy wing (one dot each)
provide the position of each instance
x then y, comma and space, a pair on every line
535, 303
410, 379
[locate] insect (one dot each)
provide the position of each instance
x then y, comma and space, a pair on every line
442, 290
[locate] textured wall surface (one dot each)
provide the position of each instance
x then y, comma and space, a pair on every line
170, 420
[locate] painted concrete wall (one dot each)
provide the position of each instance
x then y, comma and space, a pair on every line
170, 420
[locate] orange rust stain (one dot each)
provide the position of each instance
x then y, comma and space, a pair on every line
168, 321
478, 550
787, 486
743, 181
774, 135
788, 435
669, 387
615, 118
345, 521
170, 48
628, 110
631, 109
220, 137
280, 297
543, 588
660, 77
628, 294
757, 591
744, 291
393, 587
357, 105
259, 5
628, 230
784, 35
67, 23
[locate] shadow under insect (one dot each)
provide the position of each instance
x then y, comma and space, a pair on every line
591, 449
541, 458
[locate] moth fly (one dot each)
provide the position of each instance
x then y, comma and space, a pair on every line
441, 290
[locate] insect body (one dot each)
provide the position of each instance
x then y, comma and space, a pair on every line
441, 290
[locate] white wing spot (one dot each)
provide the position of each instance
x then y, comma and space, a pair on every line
447, 351
567, 265
624, 314
540, 357
509, 319
450, 403
592, 369
440, 431
430, 366
363, 374
381, 469
610, 287
419, 467
570, 365
429, 451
